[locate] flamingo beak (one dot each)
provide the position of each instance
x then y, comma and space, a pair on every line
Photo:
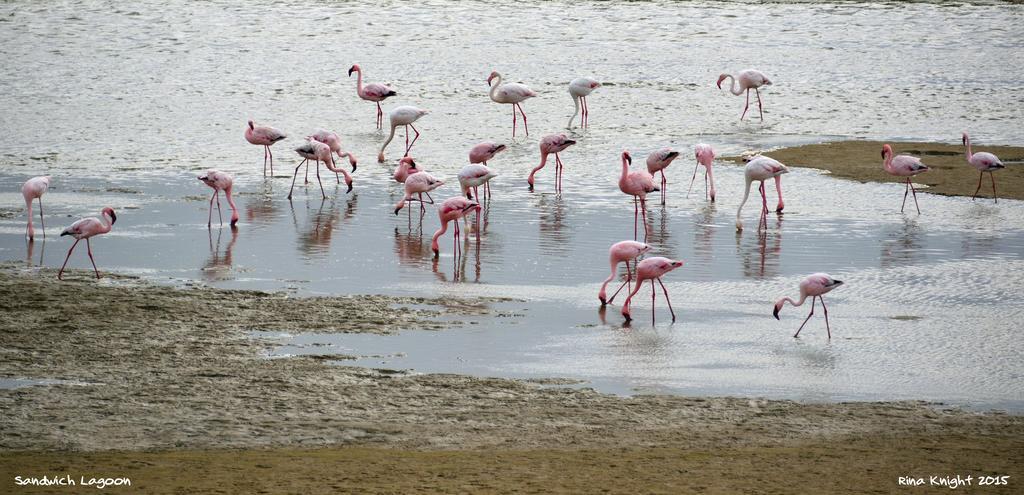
436, 253
776, 312
629, 159
351, 70
397, 210
350, 188
113, 217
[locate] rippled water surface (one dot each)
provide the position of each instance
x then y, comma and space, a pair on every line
124, 105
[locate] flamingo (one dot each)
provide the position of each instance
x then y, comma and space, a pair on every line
418, 183
220, 181
374, 92
658, 162
652, 269
621, 252
580, 88
264, 136
705, 155
452, 209
745, 81
761, 168
334, 141
84, 229
512, 93
34, 188
638, 184
319, 152
984, 162
406, 167
475, 175
403, 115
815, 285
903, 166
482, 153
553, 143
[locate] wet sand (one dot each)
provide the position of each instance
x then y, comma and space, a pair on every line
168, 380
951, 175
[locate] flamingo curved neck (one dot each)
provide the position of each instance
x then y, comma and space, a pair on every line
888, 162
734, 85
575, 110
440, 232
359, 81
967, 141
625, 171
746, 194
388, 140
494, 87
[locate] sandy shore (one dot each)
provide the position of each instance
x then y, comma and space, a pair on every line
951, 174
167, 381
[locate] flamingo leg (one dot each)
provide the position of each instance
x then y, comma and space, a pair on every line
827, 328
417, 136
407, 140
209, 218
764, 209
990, 175
42, 224
88, 249
809, 315
60, 274
652, 301
624, 284
636, 213
513, 121
307, 172
643, 211
981, 175
380, 117
296, 174
906, 190
271, 153
322, 193
691, 179
265, 150
558, 173
914, 191
663, 289
705, 185
664, 187
586, 111
216, 194
526, 126
428, 197
760, 109
744, 114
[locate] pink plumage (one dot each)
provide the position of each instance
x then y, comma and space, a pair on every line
220, 181
658, 161
638, 184
374, 92
903, 166
452, 209
552, 143
815, 286
85, 229
419, 184
264, 136
621, 252
406, 167
33, 189
984, 162
745, 81
652, 269
484, 152
512, 94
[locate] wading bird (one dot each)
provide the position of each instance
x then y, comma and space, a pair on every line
419, 184
264, 136
580, 88
475, 175
746, 80
815, 286
903, 166
984, 162
318, 152
553, 143
761, 168
84, 229
374, 92
220, 181
510, 93
638, 184
403, 115
658, 162
621, 252
406, 167
482, 153
452, 209
34, 188
705, 155
334, 141
652, 269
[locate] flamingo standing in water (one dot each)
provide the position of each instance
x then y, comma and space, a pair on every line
374, 92
580, 88
815, 285
452, 209
553, 143
334, 141
318, 152
220, 181
482, 153
652, 269
638, 184
705, 155
984, 162
34, 188
475, 175
403, 115
419, 184
84, 229
621, 252
658, 162
903, 166
264, 136
510, 93
406, 167
746, 80
761, 168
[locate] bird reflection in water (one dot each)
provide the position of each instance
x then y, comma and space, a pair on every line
460, 261
31, 249
315, 237
765, 263
902, 247
552, 222
218, 266
260, 207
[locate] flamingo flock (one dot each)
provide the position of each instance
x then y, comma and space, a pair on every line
325, 146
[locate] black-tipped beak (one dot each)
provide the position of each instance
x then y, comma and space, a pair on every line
351, 70
603, 301
776, 312
437, 253
349, 188
838, 282
629, 159
113, 217
570, 141
353, 167
397, 210
202, 178
627, 317
673, 155
233, 222
500, 147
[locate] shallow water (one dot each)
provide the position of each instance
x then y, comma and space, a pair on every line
125, 107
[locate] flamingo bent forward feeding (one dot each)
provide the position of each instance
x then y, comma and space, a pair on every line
638, 184
419, 183
264, 136
374, 92
34, 188
621, 252
482, 153
220, 181
658, 161
705, 155
553, 143
319, 152
403, 115
984, 162
652, 269
761, 168
580, 88
334, 141
84, 229
746, 80
406, 167
510, 93
903, 166
815, 285
452, 209
475, 175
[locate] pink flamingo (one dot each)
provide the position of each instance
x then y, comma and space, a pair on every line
34, 188
815, 285
553, 143
621, 252
404, 115
452, 209
264, 136
580, 88
220, 181
84, 229
984, 162
510, 93
406, 167
903, 166
746, 80
638, 184
652, 269
374, 92
482, 153
475, 175
658, 162
419, 183
705, 155
761, 168
319, 152
334, 141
